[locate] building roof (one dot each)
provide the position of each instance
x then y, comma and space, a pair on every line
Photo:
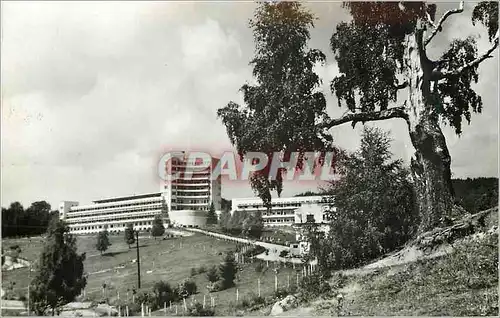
129, 197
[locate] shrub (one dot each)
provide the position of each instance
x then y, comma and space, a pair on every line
212, 274
197, 310
201, 269
228, 270
164, 293
148, 299
312, 286
284, 253
254, 251
214, 286
186, 288
193, 271
259, 268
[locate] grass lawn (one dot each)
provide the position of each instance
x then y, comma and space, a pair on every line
168, 260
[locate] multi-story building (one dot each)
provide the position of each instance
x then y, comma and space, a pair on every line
191, 193
187, 200
286, 211
113, 213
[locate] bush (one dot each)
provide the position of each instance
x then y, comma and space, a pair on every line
259, 268
193, 271
164, 293
212, 274
254, 251
148, 299
312, 286
201, 269
284, 253
228, 270
198, 310
186, 288
214, 286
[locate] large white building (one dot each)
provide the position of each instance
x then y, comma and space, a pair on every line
113, 213
187, 200
286, 211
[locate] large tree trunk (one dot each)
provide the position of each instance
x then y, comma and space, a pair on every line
431, 173
431, 163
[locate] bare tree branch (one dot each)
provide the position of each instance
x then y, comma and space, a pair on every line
396, 112
445, 16
475, 62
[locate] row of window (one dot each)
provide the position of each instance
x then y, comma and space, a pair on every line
116, 218
180, 201
184, 207
115, 212
285, 220
102, 207
97, 227
182, 188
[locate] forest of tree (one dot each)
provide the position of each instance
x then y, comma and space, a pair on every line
473, 194
17, 221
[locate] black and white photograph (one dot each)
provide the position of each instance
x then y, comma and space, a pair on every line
249, 158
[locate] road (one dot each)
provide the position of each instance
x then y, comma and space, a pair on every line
274, 249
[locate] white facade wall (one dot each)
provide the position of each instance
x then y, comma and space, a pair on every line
115, 214
285, 211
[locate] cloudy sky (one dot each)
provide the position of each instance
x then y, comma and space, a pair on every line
93, 93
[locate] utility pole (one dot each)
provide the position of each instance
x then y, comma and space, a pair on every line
138, 260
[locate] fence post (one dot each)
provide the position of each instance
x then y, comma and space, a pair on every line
237, 294
288, 281
185, 306
142, 309
126, 308
203, 301
165, 307
275, 282
258, 284
297, 279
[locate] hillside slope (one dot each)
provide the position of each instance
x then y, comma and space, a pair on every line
450, 271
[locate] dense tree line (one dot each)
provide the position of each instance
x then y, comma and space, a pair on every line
17, 221
476, 194
242, 223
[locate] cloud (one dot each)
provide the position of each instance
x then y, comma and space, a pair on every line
93, 93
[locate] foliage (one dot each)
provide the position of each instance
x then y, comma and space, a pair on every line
284, 99
312, 286
242, 223
197, 310
228, 270
148, 299
476, 194
103, 241
374, 211
212, 274
284, 253
194, 271
158, 227
211, 215
254, 251
186, 288
16, 221
59, 275
129, 234
164, 293
259, 267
